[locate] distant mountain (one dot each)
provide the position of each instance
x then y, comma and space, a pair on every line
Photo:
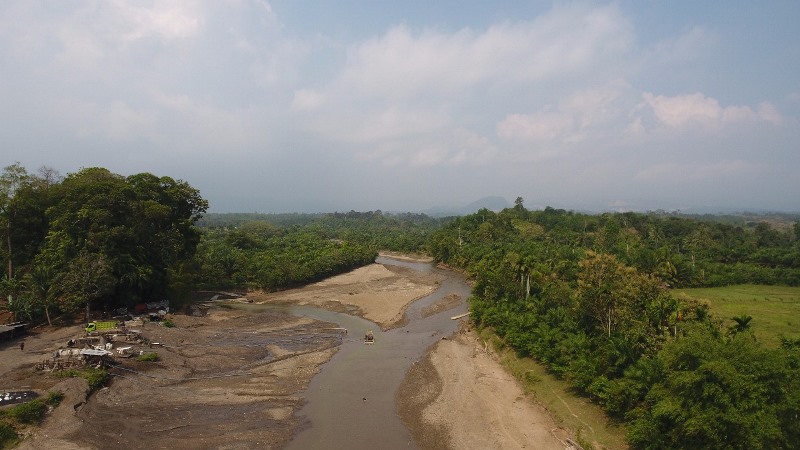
494, 203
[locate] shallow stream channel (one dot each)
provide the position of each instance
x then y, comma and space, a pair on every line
351, 403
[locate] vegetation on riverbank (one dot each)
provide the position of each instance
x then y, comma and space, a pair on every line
589, 297
588, 421
93, 240
266, 255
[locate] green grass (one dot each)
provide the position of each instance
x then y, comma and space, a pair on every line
588, 420
775, 309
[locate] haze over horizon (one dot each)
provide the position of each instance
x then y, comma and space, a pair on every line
316, 106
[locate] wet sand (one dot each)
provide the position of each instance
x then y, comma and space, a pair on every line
377, 292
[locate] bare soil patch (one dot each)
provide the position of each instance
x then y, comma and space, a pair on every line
464, 399
227, 380
446, 303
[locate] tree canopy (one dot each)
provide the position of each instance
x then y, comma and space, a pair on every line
95, 238
589, 296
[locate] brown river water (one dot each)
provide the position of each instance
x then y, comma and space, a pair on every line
351, 404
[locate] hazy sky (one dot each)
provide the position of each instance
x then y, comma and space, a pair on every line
301, 105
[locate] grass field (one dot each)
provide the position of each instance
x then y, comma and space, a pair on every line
775, 309
576, 413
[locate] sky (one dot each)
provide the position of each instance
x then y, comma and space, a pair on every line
321, 105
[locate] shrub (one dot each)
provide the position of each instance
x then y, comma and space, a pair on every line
168, 323
8, 435
150, 356
94, 377
54, 398
29, 412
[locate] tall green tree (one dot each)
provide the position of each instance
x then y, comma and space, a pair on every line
604, 290
11, 180
139, 226
41, 282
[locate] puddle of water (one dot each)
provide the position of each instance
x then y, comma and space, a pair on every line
13, 397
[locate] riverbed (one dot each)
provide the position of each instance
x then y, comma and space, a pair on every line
351, 402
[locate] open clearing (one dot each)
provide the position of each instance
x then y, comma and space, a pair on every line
775, 309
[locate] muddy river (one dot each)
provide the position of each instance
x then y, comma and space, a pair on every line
351, 402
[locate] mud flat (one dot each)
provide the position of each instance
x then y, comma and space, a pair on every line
232, 379
255, 375
228, 380
379, 292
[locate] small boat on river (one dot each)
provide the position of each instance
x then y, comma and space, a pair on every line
369, 338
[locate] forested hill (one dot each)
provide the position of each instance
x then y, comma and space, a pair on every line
589, 296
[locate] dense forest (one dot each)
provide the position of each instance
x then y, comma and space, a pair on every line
589, 296
93, 240
275, 251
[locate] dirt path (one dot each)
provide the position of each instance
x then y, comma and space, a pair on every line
464, 399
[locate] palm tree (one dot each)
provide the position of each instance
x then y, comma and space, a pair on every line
41, 280
742, 323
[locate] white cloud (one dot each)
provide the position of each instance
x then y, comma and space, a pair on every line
117, 122
698, 109
471, 148
567, 40
307, 100
93, 32
165, 19
768, 112
676, 111
538, 127
587, 114
390, 124
635, 128
686, 48
670, 172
